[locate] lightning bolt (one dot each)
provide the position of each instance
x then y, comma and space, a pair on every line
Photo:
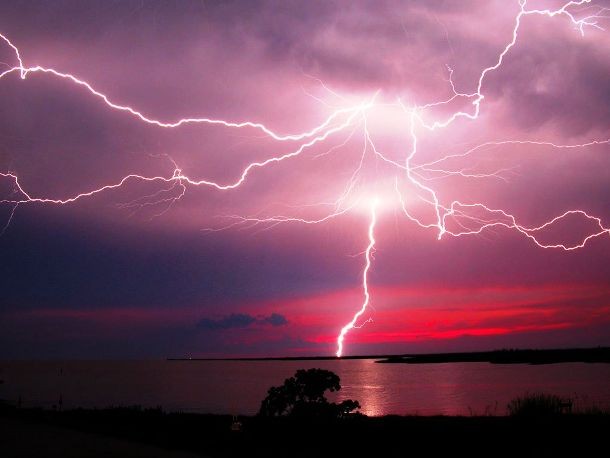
365, 284
454, 219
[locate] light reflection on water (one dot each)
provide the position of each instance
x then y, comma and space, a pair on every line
239, 386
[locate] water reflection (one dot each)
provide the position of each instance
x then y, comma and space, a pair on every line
237, 387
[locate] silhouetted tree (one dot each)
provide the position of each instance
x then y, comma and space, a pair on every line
303, 395
346, 407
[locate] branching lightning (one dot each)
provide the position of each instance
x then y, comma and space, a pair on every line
454, 218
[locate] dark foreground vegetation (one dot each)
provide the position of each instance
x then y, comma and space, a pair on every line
303, 396
573, 355
212, 435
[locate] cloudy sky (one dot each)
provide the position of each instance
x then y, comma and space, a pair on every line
136, 271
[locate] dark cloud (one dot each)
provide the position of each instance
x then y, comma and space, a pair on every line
551, 80
241, 320
275, 319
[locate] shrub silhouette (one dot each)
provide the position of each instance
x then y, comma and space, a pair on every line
303, 396
538, 405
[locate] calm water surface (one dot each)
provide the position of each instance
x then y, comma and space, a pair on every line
237, 387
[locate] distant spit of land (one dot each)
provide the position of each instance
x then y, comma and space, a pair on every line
573, 355
506, 356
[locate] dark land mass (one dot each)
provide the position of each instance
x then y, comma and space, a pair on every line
134, 432
574, 355
569, 355
289, 358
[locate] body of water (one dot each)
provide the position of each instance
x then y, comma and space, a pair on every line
238, 387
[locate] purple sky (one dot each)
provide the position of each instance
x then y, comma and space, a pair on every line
96, 278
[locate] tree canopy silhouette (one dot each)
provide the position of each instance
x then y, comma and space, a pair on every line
303, 395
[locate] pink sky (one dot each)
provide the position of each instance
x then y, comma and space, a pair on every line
98, 277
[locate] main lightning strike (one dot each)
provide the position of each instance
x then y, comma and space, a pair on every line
470, 218
365, 283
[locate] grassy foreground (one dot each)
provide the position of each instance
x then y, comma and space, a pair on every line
211, 435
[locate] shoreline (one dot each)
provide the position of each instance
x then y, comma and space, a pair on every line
504, 356
555, 356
